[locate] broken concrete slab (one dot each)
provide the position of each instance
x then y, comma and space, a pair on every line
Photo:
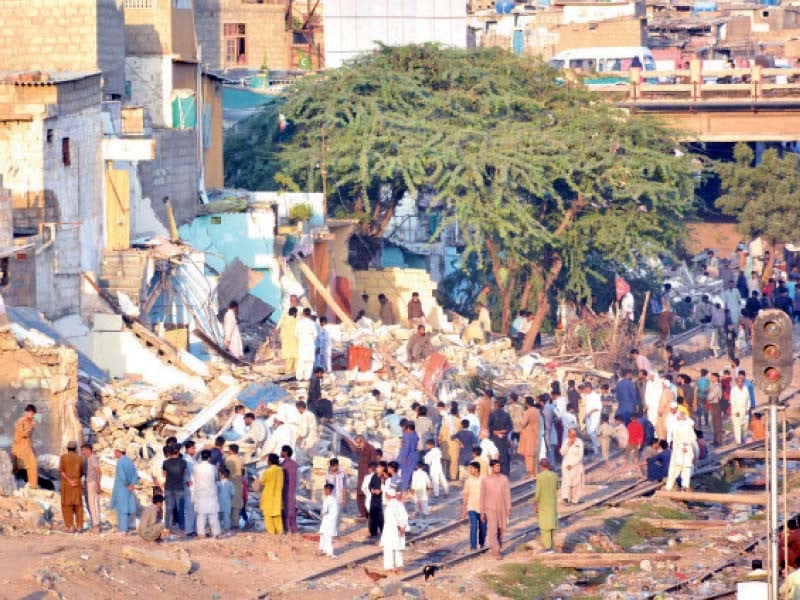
176, 560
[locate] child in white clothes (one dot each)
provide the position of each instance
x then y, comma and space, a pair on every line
330, 517
420, 483
433, 458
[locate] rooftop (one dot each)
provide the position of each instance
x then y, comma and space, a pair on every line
43, 78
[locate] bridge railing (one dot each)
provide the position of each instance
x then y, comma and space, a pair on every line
754, 84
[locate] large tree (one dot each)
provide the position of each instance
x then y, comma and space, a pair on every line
764, 197
534, 172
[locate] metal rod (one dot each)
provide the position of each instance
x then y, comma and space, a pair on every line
769, 492
773, 497
785, 503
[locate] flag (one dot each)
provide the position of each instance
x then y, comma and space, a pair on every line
622, 287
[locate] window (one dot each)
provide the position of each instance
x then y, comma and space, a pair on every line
140, 4
66, 157
235, 43
49, 136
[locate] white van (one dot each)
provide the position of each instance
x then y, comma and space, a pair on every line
595, 60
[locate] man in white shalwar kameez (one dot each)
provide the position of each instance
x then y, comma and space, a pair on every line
393, 538
230, 330
324, 348
306, 333
572, 468
206, 502
652, 396
733, 302
684, 446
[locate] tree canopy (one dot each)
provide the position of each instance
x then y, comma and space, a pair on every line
764, 198
535, 172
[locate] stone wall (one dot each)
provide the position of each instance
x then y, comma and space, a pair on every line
85, 37
173, 173
150, 78
398, 285
47, 378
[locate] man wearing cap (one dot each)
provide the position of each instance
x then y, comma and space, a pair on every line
671, 421
123, 500
71, 469
22, 449
495, 507
545, 504
93, 475
572, 467
395, 523
151, 528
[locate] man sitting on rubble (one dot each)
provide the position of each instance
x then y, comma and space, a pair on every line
658, 465
235, 428
151, 527
419, 346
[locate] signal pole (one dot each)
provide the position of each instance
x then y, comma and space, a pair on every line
773, 362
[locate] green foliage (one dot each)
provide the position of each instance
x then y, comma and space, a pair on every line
529, 581
632, 532
250, 151
536, 173
300, 213
660, 511
764, 198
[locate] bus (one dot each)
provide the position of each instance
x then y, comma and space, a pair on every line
592, 62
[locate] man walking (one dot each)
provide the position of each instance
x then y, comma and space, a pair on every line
22, 449
714, 408
545, 503
471, 507
93, 476
71, 469
393, 538
289, 467
500, 428
740, 407
365, 452
495, 507
272, 495
125, 478
572, 468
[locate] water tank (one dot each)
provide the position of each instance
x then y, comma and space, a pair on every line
505, 7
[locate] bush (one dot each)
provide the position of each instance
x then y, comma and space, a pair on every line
300, 213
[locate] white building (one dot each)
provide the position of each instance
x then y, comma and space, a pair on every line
353, 27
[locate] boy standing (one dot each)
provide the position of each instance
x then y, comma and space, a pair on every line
471, 507
433, 458
328, 528
225, 495
420, 483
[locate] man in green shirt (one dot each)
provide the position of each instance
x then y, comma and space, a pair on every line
545, 503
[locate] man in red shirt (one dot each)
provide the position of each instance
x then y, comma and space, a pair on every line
726, 382
635, 441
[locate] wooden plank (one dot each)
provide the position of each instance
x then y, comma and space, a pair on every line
326, 295
759, 455
713, 498
397, 365
686, 524
219, 350
596, 559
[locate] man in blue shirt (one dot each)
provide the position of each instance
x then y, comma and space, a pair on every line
627, 397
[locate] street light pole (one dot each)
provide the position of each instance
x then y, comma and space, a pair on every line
773, 498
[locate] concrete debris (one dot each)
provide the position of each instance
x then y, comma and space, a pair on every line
176, 560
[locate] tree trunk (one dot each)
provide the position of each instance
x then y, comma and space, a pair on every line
526, 293
542, 303
505, 318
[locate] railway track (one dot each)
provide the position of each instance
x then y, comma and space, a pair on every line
445, 550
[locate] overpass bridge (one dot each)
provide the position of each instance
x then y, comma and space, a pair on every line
729, 105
